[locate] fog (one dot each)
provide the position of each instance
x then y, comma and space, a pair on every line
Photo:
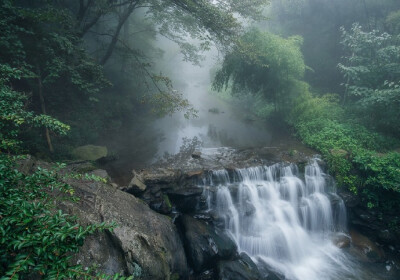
218, 123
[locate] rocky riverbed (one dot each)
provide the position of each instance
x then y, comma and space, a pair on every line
165, 230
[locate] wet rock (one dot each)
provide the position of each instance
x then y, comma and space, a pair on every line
387, 236
267, 273
161, 205
186, 199
249, 208
194, 173
196, 155
242, 268
365, 249
206, 275
100, 173
159, 176
350, 200
142, 236
341, 240
205, 245
367, 216
89, 152
136, 186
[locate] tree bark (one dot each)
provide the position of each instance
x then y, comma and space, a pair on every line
115, 37
43, 107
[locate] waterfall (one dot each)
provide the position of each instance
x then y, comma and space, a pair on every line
282, 219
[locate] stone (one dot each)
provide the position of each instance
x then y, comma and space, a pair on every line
194, 173
159, 176
242, 268
186, 199
365, 249
205, 245
266, 272
142, 237
341, 240
350, 200
196, 155
136, 185
387, 236
101, 173
89, 152
249, 208
26, 164
161, 205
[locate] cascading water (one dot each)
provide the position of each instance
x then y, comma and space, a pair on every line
282, 221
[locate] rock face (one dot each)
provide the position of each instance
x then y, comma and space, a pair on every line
370, 223
142, 236
204, 244
341, 240
243, 268
186, 199
366, 249
136, 186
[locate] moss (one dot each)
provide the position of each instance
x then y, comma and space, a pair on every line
89, 152
167, 201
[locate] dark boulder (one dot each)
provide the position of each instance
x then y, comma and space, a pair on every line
186, 199
159, 176
365, 249
243, 268
204, 244
136, 186
142, 237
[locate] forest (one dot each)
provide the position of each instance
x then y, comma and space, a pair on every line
249, 125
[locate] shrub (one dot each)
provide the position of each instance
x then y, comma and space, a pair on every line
36, 239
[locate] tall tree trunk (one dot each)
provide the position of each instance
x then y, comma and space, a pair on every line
115, 37
43, 107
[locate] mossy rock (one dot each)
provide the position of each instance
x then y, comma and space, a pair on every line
89, 152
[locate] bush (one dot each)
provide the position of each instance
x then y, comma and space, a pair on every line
358, 157
36, 239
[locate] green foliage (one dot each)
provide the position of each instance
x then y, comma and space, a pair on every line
35, 238
263, 64
14, 117
318, 22
357, 157
372, 71
393, 22
44, 67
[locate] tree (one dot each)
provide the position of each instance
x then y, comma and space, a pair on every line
319, 22
208, 21
41, 44
264, 64
372, 71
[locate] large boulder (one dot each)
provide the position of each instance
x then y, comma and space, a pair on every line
159, 176
243, 268
366, 249
136, 186
89, 152
186, 199
204, 244
142, 237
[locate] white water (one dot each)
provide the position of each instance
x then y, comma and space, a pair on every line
282, 221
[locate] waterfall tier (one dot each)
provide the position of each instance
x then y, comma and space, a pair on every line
283, 219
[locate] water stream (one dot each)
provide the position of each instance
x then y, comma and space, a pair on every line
285, 220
